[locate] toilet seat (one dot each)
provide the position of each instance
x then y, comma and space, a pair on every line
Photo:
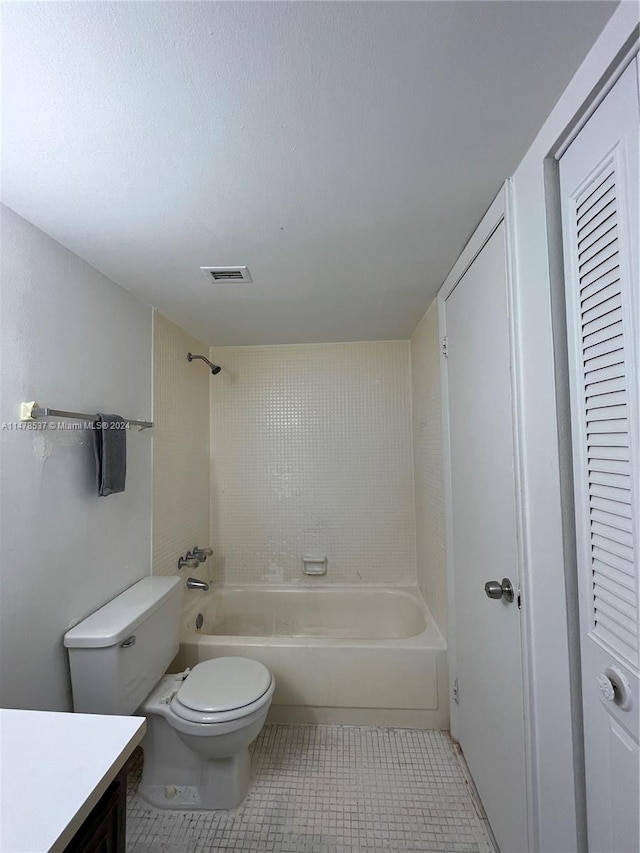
222, 689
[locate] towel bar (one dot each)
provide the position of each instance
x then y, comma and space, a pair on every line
32, 411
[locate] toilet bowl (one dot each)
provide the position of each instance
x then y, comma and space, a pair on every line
200, 724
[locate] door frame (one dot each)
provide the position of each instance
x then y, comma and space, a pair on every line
500, 210
547, 715
568, 364
572, 125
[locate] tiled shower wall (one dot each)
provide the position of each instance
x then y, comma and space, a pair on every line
180, 446
428, 461
311, 454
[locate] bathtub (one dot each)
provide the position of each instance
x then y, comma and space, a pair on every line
358, 655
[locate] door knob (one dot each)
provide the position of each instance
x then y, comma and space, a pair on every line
615, 688
495, 589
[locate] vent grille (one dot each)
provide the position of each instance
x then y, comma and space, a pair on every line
231, 275
606, 424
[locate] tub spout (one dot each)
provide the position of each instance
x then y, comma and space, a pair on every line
194, 583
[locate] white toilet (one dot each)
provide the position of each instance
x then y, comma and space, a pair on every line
199, 723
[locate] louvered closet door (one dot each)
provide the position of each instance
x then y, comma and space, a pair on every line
599, 177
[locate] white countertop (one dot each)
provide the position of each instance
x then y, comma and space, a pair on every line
54, 768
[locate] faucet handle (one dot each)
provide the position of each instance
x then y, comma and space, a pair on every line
189, 561
201, 553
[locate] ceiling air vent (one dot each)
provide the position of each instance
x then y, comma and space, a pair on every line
228, 275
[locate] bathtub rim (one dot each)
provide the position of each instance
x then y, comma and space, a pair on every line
431, 637
196, 647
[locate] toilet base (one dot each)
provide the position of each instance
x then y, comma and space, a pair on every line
175, 777
223, 784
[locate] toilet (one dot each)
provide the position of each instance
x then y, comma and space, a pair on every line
200, 722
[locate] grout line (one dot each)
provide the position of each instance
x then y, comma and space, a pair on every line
330, 789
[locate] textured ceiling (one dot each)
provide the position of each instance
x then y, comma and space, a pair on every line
344, 151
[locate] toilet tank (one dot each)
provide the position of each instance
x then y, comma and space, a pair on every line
119, 653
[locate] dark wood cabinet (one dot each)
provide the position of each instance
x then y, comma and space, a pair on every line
104, 830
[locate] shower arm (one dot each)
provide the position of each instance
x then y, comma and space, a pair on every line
215, 368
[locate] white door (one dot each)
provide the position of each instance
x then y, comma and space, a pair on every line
599, 178
490, 724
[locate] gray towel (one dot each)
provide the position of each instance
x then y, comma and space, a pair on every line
110, 445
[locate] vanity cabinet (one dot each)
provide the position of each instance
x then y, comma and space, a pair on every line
104, 830
64, 781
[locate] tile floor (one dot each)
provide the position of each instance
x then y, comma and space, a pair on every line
330, 789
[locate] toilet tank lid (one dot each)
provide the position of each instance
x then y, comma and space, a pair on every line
116, 620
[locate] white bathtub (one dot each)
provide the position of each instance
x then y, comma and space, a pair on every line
350, 654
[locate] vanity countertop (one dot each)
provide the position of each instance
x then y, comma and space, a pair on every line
54, 767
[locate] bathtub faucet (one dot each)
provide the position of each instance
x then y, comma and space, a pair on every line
194, 583
200, 554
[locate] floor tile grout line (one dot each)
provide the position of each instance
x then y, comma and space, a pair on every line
331, 789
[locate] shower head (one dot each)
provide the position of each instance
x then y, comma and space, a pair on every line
215, 368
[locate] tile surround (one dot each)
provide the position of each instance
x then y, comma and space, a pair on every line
429, 465
180, 446
331, 789
329, 449
311, 454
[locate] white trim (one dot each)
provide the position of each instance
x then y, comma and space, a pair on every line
448, 519
487, 225
499, 211
526, 627
544, 628
490, 221
610, 81
154, 367
551, 709
573, 182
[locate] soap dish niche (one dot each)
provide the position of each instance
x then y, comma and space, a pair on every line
314, 565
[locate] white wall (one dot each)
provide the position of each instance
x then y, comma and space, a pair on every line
180, 446
428, 465
546, 602
311, 453
71, 339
